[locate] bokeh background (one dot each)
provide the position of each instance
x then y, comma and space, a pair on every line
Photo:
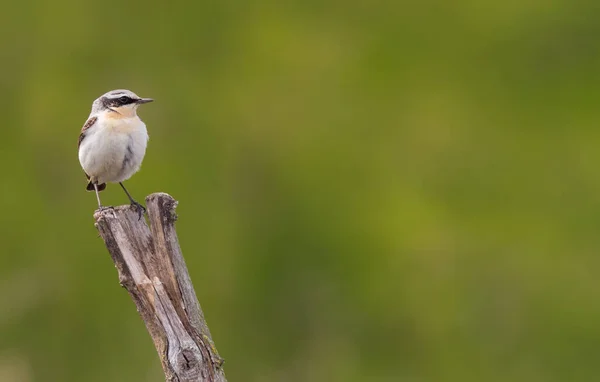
369, 190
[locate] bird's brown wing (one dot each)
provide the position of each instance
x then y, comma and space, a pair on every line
90, 186
89, 123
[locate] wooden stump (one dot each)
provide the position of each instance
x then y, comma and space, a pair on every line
152, 269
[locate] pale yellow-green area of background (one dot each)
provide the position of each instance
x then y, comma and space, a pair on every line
369, 190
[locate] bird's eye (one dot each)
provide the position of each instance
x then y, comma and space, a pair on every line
123, 99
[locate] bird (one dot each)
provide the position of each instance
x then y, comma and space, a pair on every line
112, 142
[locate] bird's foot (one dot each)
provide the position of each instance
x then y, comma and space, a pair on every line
104, 208
141, 210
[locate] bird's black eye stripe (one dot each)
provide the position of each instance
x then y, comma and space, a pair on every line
118, 101
124, 100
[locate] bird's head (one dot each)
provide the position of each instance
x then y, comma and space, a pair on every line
122, 102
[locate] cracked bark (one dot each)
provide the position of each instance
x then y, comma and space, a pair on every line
152, 269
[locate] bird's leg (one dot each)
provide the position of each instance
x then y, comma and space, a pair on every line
100, 207
140, 209
97, 195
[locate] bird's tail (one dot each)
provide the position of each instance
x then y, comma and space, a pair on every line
90, 187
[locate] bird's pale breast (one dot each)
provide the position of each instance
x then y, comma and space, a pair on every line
113, 149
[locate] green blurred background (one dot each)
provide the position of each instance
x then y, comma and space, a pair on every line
369, 190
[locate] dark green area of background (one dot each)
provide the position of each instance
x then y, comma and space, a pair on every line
369, 190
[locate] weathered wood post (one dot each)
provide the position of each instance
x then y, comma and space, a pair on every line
152, 269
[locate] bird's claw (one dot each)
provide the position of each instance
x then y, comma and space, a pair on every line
141, 210
104, 208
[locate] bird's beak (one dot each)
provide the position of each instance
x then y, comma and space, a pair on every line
144, 100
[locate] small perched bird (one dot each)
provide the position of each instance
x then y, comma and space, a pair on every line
113, 142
